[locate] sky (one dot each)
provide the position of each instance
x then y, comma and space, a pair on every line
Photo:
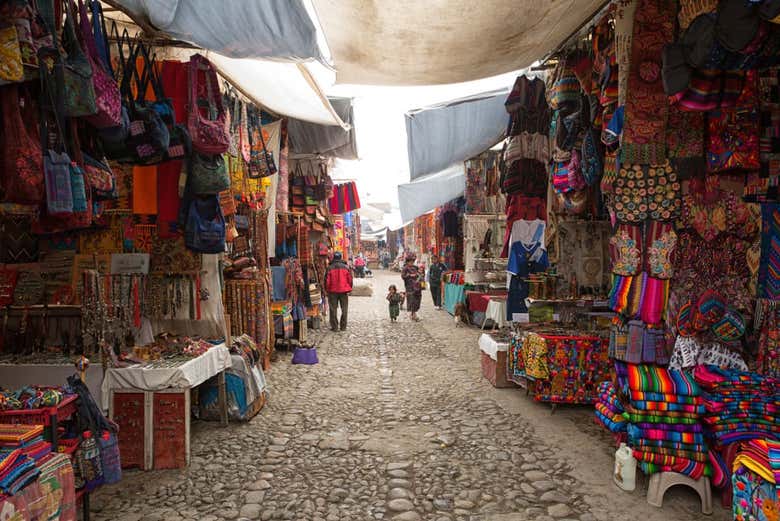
381, 131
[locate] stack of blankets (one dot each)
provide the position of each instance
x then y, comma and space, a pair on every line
609, 410
739, 405
756, 480
21, 447
664, 428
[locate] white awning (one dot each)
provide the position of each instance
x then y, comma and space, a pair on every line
287, 89
270, 29
413, 42
452, 132
423, 195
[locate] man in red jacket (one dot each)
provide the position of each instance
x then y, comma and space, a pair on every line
338, 284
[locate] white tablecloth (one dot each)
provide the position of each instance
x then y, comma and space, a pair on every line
188, 374
491, 347
496, 311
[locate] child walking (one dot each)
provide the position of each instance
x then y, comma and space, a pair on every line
394, 298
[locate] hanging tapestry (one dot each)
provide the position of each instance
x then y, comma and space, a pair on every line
647, 107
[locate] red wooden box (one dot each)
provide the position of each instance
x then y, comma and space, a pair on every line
154, 427
129, 412
171, 416
495, 370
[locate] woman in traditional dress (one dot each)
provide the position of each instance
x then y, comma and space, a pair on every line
412, 279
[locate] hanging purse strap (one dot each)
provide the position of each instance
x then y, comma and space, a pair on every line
51, 101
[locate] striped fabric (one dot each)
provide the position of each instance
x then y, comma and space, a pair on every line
660, 380
769, 269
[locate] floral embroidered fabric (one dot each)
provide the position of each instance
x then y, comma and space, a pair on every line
645, 192
624, 248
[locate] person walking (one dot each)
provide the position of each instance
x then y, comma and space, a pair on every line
338, 284
435, 273
394, 300
412, 281
360, 266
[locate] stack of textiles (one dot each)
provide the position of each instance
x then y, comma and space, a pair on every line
20, 447
609, 410
664, 430
739, 405
756, 480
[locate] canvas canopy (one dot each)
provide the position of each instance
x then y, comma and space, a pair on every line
307, 138
441, 135
423, 195
269, 29
409, 42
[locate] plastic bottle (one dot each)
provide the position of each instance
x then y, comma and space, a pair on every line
625, 468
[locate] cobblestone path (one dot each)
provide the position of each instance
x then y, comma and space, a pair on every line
394, 423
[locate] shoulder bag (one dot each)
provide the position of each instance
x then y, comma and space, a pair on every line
22, 159
208, 174
207, 131
79, 91
205, 230
108, 100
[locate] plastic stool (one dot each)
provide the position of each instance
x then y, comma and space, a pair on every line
662, 481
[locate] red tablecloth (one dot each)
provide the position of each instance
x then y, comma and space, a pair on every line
478, 301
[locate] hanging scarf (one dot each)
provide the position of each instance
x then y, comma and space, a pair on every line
647, 106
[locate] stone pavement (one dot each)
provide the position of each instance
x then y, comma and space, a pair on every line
394, 423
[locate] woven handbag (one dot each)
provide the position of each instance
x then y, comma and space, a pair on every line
22, 160
206, 120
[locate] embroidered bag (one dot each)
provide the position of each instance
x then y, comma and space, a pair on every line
22, 159
261, 161
207, 131
79, 90
205, 230
654, 346
99, 178
77, 188
208, 174
11, 67
59, 194
114, 137
108, 99
636, 334
149, 135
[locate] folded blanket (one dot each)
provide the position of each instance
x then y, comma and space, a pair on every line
661, 380
773, 454
664, 397
653, 434
611, 425
666, 444
667, 407
692, 469
697, 427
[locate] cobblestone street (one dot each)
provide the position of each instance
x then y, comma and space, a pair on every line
395, 422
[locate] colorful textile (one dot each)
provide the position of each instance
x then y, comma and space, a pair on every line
646, 105
734, 132
755, 498
576, 365
657, 379
535, 357
769, 269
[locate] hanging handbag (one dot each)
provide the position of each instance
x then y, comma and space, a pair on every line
22, 159
261, 162
205, 230
108, 99
180, 144
79, 90
114, 138
149, 136
207, 131
59, 194
208, 174
11, 67
99, 178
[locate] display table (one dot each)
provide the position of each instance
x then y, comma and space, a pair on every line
453, 295
51, 496
151, 404
496, 312
559, 368
493, 360
16, 376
